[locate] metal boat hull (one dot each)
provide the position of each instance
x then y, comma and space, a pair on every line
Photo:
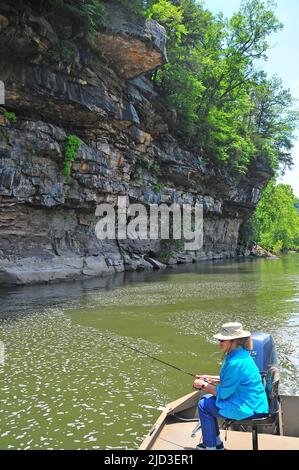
172, 432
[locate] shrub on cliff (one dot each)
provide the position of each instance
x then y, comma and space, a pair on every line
86, 15
11, 116
70, 152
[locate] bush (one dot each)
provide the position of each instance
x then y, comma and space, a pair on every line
169, 248
10, 116
70, 152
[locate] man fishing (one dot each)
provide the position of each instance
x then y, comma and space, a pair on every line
238, 392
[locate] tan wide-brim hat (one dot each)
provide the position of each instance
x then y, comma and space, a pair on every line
233, 330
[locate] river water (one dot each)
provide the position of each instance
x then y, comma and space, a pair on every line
68, 382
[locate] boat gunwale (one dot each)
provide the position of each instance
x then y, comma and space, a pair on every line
185, 402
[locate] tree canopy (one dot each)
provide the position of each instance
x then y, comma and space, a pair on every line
233, 113
275, 224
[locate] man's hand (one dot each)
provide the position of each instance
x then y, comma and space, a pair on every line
198, 383
203, 377
211, 379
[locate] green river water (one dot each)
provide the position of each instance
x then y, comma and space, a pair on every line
67, 382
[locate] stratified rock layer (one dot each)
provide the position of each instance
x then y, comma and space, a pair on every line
47, 220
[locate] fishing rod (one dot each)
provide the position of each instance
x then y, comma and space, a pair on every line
155, 358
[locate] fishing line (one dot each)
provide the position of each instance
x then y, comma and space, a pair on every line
155, 358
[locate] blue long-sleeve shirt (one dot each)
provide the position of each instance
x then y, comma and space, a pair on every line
241, 392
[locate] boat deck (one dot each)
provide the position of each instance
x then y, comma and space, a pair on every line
177, 436
171, 432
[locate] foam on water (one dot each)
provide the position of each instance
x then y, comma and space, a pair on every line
58, 379
69, 383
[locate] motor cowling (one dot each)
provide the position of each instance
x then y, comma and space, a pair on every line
263, 351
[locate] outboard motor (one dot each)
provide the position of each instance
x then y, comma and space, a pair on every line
264, 355
263, 351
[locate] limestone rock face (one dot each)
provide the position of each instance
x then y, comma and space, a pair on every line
97, 92
131, 44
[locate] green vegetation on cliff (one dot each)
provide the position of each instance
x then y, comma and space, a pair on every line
86, 15
232, 113
11, 116
275, 224
70, 152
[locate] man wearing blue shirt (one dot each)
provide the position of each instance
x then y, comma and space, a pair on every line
237, 394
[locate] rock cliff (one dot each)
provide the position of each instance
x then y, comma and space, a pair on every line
57, 84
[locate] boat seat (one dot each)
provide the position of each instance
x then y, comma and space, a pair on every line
271, 383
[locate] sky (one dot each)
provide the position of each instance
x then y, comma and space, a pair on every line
282, 60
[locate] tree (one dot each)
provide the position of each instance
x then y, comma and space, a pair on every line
228, 110
276, 219
271, 121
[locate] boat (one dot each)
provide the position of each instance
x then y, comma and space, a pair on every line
176, 430
178, 427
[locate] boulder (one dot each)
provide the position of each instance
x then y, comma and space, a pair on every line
36, 271
96, 266
155, 263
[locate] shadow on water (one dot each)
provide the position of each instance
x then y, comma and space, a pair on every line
17, 300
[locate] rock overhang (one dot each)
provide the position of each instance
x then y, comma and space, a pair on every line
132, 44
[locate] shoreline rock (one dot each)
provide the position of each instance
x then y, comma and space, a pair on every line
256, 251
30, 271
